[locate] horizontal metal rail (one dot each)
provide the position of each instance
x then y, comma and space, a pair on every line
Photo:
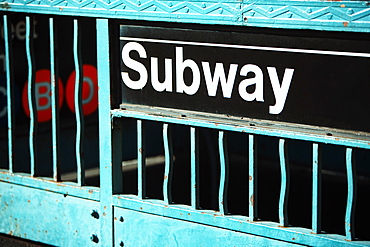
48, 184
348, 16
237, 223
246, 126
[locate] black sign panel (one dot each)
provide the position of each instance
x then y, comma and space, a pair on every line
296, 79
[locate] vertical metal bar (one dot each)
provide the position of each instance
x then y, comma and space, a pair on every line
78, 104
31, 94
141, 167
168, 165
224, 173
105, 136
283, 201
194, 155
351, 196
9, 91
54, 101
252, 179
316, 188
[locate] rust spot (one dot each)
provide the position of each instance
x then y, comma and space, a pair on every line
90, 191
28, 201
140, 150
10, 233
345, 23
180, 213
5, 6
141, 208
105, 207
293, 238
245, 18
333, 0
115, 218
252, 200
250, 178
165, 177
104, 214
189, 214
343, 5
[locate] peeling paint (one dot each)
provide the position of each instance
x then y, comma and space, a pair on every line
252, 200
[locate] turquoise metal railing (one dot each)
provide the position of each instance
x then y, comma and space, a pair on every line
349, 16
249, 223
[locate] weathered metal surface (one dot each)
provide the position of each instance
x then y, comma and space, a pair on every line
351, 16
351, 195
47, 217
48, 184
69, 214
54, 99
161, 231
224, 173
237, 223
284, 187
245, 125
316, 188
106, 138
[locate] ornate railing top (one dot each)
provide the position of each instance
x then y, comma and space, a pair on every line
334, 15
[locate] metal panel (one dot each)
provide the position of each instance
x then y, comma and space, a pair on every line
47, 217
266, 229
162, 231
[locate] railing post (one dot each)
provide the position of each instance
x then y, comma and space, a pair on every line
106, 237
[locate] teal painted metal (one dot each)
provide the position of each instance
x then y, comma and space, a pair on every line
78, 102
168, 166
316, 188
141, 166
253, 200
105, 140
43, 183
351, 198
54, 101
251, 126
9, 91
31, 95
143, 216
224, 173
284, 188
173, 232
194, 154
47, 217
348, 16
232, 222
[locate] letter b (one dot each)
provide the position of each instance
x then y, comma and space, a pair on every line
180, 68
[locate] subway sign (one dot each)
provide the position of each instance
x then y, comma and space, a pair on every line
289, 77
